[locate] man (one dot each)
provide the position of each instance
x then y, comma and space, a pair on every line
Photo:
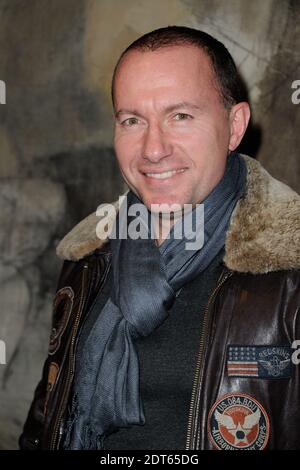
155, 346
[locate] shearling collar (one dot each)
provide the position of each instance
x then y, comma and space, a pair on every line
263, 235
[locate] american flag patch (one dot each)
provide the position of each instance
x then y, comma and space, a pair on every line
259, 361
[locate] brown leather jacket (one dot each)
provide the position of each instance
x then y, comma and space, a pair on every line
247, 383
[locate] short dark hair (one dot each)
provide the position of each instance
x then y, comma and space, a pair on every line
227, 77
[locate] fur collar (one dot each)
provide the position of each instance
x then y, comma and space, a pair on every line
263, 236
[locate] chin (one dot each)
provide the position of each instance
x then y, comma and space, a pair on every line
168, 202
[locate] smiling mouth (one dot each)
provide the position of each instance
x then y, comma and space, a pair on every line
165, 174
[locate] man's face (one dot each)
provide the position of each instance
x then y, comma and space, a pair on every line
172, 132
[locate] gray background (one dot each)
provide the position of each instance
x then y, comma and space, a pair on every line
56, 158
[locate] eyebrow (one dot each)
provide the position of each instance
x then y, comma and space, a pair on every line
183, 104
166, 110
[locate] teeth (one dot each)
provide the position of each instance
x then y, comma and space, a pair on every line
165, 174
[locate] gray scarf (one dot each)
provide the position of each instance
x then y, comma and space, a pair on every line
145, 281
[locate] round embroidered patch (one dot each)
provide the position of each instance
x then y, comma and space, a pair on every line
238, 422
62, 308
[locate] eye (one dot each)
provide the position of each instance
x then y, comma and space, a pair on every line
182, 117
129, 122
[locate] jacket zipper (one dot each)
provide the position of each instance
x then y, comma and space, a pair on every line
71, 361
194, 409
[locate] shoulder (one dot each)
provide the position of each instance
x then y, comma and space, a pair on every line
88, 236
264, 232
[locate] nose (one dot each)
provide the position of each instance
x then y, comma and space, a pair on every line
156, 145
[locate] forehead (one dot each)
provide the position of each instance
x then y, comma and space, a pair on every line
183, 68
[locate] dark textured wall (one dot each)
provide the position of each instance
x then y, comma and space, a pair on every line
56, 158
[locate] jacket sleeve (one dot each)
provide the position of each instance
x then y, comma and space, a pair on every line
31, 437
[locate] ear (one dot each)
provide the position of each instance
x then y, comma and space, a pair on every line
239, 119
